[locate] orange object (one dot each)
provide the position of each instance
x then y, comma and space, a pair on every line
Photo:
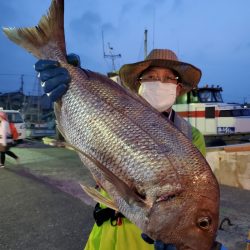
237, 148
13, 131
119, 221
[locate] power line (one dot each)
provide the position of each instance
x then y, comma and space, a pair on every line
4, 74
17, 75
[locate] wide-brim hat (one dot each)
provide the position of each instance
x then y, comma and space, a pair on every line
189, 74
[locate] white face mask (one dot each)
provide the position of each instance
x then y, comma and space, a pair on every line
160, 95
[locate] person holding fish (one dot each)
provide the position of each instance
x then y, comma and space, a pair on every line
152, 172
159, 79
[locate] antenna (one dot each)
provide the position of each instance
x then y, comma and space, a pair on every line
21, 87
154, 27
111, 55
145, 43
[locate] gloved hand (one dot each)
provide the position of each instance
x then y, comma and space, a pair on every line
218, 246
159, 245
55, 79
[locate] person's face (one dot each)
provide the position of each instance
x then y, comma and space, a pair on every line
163, 75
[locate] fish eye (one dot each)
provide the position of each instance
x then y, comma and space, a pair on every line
204, 223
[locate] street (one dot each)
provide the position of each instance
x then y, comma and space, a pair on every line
34, 215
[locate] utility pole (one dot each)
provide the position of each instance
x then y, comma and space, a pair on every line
22, 83
145, 43
111, 55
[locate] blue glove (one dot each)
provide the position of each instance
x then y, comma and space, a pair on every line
159, 245
74, 60
147, 239
55, 79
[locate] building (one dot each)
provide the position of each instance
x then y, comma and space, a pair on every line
34, 109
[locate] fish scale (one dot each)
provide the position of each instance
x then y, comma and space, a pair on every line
149, 124
119, 148
150, 169
145, 144
154, 159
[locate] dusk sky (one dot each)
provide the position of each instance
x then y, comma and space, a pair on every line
213, 35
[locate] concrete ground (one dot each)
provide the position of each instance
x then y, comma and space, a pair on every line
39, 201
36, 216
43, 207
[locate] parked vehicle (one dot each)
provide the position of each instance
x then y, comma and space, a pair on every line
15, 117
38, 126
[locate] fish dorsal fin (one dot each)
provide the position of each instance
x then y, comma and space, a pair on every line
127, 193
98, 197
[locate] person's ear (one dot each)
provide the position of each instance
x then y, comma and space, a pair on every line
178, 89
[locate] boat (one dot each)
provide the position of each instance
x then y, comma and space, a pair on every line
220, 122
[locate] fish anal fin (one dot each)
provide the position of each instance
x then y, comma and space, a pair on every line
127, 193
98, 197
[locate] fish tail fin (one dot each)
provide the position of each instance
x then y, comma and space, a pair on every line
48, 34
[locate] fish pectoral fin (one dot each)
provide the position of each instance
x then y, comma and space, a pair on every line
98, 197
168, 196
127, 193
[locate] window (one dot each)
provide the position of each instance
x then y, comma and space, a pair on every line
210, 96
15, 117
